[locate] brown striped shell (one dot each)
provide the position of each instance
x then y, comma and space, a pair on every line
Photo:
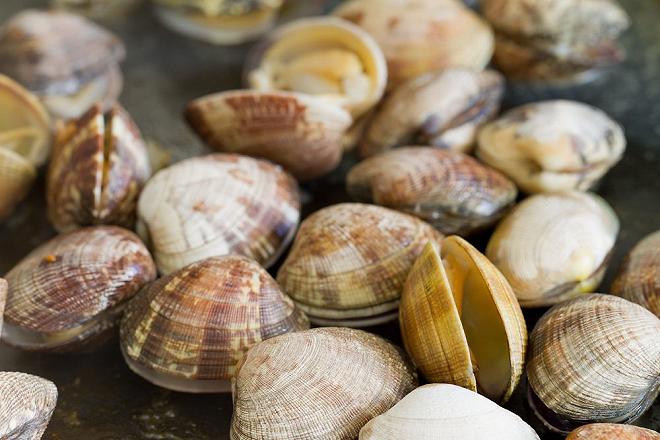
321, 384
443, 109
609, 431
639, 277
26, 404
99, 166
593, 359
422, 36
73, 288
188, 330
300, 132
218, 205
3, 300
461, 323
349, 261
552, 145
451, 191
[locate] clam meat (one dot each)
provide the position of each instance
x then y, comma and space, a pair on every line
26, 405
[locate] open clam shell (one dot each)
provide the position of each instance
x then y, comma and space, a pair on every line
218, 205
100, 164
300, 132
323, 56
451, 191
324, 383
188, 330
448, 412
69, 291
461, 323
608, 431
581, 369
552, 145
26, 404
349, 261
552, 247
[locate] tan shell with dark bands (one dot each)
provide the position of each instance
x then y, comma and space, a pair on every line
26, 404
610, 431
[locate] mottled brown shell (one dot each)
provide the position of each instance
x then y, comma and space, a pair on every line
451, 191
639, 277
188, 330
349, 261
26, 404
74, 287
218, 205
300, 132
610, 431
100, 164
321, 384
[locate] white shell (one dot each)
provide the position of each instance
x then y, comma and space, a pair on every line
26, 405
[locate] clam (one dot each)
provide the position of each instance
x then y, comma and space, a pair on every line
188, 330
447, 412
98, 168
26, 404
451, 191
97, 8
593, 359
552, 145
550, 40
552, 247
300, 132
69, 292
3, 300
317, 384
324, 56
422, 36
607, 431
65, 59
443, 109
218, 205
460, 321
25, 140
639, 277
218, 21
349, 261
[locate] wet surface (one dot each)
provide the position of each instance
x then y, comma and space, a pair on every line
101, 399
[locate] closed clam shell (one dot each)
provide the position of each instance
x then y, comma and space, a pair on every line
639, 277
73, 288
608, 431
461, 323
593, 359
26, 404
324, 383
422, 36
218, 205
451, 191
443, 109
3, 300
323, 56
348, 263
448, 412
552, 145
188, 330
300, 132
554, 246
99, 166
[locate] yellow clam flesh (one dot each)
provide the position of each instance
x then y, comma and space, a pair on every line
26, 405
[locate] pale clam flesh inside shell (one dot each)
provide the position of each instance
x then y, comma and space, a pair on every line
26, 405
608, 431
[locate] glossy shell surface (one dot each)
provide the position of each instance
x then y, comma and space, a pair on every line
26, 405
609, 431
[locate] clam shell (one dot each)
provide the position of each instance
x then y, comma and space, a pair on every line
552, 247
26, 405
461, 323
422, 36
447, 412
581, 367
552, 145
323, 56
443, 109
3, 300
98, 9
608, 431
217, 205
639, 277
324, 383
188, 330
99, 166
16, 178
73, 288
348, 263
451, 191
302, 133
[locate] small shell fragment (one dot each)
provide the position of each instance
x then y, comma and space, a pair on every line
610, 431
26, 405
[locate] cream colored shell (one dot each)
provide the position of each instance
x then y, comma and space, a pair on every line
554, 246
26, 405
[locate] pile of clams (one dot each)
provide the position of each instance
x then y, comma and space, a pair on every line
26, 405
